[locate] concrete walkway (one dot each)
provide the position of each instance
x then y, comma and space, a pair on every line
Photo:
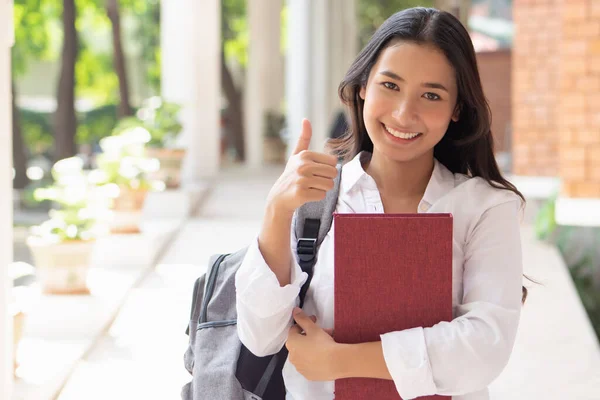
556, 355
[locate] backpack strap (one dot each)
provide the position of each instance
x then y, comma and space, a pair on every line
311, 224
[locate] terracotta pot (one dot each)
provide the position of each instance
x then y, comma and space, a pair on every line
127, 211
170, 165
62, 268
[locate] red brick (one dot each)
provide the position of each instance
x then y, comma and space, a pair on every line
574, 101
588, 189
573, 12
587, 137
573, 48
594, 64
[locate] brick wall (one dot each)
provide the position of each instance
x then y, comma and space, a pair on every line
495, 72
556, 93
535, 87
579, 100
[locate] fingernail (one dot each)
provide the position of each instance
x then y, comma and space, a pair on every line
297, 310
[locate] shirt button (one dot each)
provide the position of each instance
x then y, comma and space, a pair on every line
424, 207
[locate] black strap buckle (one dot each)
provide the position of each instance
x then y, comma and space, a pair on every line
307, 249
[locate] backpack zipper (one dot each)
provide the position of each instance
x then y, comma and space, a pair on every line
210, 287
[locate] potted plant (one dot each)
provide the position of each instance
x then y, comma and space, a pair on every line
274, 147
62, 245
125, 167
160, 119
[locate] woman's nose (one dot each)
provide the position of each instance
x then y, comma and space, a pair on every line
405, 113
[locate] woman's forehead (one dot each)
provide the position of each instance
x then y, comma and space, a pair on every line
413, 61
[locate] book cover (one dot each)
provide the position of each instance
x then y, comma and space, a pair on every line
392, 272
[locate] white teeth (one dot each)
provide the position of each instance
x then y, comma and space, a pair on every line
401, 135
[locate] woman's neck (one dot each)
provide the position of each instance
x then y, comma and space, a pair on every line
400, 180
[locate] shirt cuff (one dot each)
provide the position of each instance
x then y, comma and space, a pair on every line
258, 289
405, 354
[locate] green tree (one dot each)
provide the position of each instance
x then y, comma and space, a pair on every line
65, 119
234, 26
114, 14
372, 13
32, 21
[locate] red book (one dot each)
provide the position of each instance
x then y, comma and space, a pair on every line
392, 272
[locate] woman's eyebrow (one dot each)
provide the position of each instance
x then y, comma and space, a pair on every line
432, 85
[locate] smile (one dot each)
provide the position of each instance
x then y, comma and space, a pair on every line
401, 135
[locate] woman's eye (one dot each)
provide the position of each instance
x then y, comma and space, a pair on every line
390, 85
431, 96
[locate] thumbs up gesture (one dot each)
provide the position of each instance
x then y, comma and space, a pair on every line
307, 177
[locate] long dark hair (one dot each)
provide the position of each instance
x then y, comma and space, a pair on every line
468, 145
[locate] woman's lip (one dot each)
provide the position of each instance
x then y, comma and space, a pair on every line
401, 130
397, 139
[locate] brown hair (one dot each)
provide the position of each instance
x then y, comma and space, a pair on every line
467, 146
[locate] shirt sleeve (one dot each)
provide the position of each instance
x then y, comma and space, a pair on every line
264, 308
468, 353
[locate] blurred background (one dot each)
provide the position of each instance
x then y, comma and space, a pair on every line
142, 136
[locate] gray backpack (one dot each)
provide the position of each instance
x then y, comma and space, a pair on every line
222, 368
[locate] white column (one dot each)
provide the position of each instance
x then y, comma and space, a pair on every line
297, 73
264, 79
191, 76
6, 336
344, 47
320, 49
320, 61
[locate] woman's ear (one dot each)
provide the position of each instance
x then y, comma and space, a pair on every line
456, 115
362, 92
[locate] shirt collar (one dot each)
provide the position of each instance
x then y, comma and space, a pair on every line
440, 183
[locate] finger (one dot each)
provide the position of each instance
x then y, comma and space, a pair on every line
305, 136
322, 158
317, 169
304, 321
316, 182
315, 195
329, 332
295, 329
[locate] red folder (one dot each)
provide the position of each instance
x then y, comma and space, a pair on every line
392, 272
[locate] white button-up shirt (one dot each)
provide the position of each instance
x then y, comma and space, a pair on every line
458, 358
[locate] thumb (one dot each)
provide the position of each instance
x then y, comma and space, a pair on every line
303, 320
304, 139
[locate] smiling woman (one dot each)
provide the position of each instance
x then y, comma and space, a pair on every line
419, 142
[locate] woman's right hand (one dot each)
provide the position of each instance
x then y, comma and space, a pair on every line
307, 177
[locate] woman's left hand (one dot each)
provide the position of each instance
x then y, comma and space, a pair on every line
312, 349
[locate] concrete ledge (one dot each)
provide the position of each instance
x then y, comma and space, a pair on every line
578, 212
536, 187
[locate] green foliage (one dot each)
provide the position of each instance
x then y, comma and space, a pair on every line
79, 200
124, 163
234, 30
372, 13
33, 21
159, 118
545, 222
96, 124
92, 126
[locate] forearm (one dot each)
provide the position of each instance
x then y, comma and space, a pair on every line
274, 243
362, 360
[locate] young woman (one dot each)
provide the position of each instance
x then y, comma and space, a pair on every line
419, 142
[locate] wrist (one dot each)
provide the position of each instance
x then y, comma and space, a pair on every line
343, 357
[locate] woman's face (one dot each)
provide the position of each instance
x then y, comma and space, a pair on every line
410, 99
